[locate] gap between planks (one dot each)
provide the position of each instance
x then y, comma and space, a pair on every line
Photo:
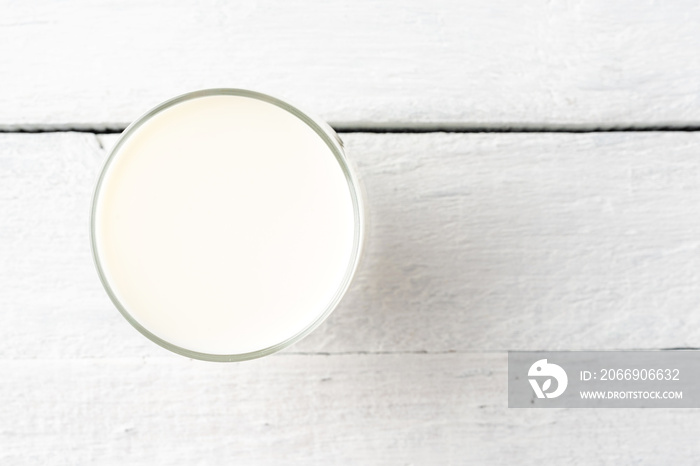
351, 353
403, 127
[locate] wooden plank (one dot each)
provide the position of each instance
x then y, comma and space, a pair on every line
361, 63
477, 242
286, 409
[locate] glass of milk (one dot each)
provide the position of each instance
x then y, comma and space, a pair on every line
226, 224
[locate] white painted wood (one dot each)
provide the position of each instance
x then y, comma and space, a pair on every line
312, 410
504, 62
477, 242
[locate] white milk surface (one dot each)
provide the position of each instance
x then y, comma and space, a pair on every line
224, 225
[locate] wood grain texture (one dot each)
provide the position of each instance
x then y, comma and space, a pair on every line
477, 242
311, 410
359, 63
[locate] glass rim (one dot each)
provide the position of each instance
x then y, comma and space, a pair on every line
334, 143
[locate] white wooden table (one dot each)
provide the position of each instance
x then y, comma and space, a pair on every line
557, 235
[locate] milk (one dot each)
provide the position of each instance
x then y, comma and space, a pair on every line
224, 225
